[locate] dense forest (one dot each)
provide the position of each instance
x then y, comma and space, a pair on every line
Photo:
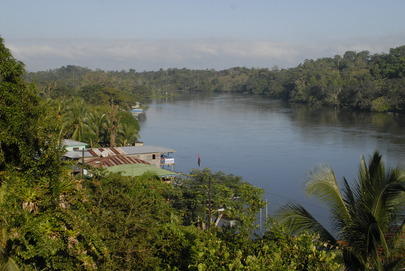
356, 80
53, 220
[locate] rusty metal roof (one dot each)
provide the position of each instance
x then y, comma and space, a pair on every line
114, 160
104, 152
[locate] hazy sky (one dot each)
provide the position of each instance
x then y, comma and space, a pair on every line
152, 34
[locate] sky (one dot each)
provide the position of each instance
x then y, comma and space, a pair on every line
196, 34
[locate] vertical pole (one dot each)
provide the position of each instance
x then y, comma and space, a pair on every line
82, 162
209, 202
266, 211
260, 221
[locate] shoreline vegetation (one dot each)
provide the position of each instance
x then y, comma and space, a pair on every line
354, 80
53, 220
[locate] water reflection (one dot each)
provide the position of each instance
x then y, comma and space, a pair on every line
325, 125
269, 143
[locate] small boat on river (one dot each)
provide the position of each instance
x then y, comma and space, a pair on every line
137, 110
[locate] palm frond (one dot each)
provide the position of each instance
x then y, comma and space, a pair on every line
363, 173
323, 184
348, 194
393, 265
352, 261
387, 202
376, 240
296, 218
10, 265
376, 167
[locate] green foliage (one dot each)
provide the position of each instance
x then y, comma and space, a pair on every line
43, 232
366, 217
95, 87
97, 125
380, 105
129, 215
276, 250
232, 199
7, 263
356, 80
101, 95
25, 126
38, 229
211, 253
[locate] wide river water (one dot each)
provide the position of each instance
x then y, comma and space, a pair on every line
270, 144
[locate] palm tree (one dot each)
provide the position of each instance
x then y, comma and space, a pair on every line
368, 217
75, 119
127, 134
95, 126
112, 124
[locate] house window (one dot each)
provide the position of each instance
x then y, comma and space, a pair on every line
76, 148
153, 156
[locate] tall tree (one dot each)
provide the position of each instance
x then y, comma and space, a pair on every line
38, 230
25, 124
75, 118
112, 124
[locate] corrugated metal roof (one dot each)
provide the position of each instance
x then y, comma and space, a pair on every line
71, 142
115, 160
128, 150
145, 149
139, 169
76, 154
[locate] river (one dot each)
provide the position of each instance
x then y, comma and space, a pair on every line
269, 143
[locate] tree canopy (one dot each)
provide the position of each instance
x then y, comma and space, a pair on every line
25, 126
354, 80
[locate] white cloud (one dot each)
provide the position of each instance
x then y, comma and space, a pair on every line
155, 54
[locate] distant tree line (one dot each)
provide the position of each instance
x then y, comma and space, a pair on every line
355, 80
